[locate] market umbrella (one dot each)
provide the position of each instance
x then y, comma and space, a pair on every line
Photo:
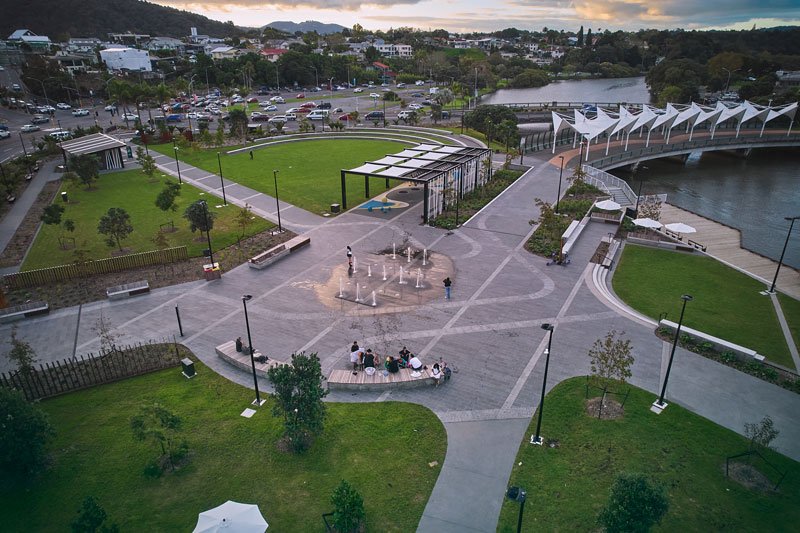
608, 205
231, 517
647, 223
680, 227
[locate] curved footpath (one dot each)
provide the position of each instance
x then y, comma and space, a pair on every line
489, 331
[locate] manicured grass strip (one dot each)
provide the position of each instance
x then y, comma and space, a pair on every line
568, 485
495, 145
791, 310
132, 191
309, 171
382, 449
726, 304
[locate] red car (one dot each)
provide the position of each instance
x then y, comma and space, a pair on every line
301, 95
252, 100
345, 117
308, 105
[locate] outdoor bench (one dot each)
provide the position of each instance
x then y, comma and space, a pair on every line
23, 311
344, 379
127, 289
227, 352
264, 259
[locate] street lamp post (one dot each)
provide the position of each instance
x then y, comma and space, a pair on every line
177, 164
560, 173
537, 439
659, 404
316, 77
246, 298
516, 494
785, 244
208, 232
24, 151
221, 181
639, 194
277, 202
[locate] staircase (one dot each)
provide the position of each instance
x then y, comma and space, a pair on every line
619, 196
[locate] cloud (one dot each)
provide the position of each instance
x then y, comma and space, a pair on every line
282, 5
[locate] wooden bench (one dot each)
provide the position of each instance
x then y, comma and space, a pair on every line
227, 352
608, 260
127, 289
344, 379
24, 311
264, 259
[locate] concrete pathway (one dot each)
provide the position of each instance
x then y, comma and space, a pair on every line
489, 332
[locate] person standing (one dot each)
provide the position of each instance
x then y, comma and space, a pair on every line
447, 284
349, 256
251, 155
355, 356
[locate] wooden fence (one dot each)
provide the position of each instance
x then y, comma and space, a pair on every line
68, 375
33, 278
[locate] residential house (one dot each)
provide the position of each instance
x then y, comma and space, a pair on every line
82, 45
272, 54
73, 63
131, 39
395, 50
37, 43
224, 52
169, 44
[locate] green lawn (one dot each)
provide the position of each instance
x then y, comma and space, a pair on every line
132, 191
567, 486
726, 304
309, 174
382, 449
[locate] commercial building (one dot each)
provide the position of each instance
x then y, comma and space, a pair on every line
126, 59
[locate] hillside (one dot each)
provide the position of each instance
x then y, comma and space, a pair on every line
98, 18
309, 25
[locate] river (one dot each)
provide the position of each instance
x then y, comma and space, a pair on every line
606, 90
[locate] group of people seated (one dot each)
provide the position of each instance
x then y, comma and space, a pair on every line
367, 361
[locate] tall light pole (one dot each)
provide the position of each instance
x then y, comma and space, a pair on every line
639, 194
785, 244
277, 202
560, 173
537, 439
517, 494
208, 232
316, 76
659, 404
729, 78
177, 164
221, 181
246, 298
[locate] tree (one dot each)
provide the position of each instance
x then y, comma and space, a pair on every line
589, 38
147, 162
610, 360
580, 37
238, 123
219, 137
243, 219
91, 518
52, 214
160, 426
199, 217
635, 505
116, 225
166, 198
761, 434
86, 167
21, 353
371, 54
348, 508
24, 433
298, 399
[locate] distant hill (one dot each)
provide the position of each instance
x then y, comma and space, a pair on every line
309, 25
98, 18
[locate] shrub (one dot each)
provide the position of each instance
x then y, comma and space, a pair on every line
24, 433
348, 508
635, 505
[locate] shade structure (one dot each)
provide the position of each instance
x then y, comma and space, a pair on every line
608, 205
680, 227
647, 223
231, 517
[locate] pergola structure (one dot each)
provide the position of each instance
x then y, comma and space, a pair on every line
107, 149
624, 122
439, 168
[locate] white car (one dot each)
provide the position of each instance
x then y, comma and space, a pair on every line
414, 106
62, 105
27, 128
358, 90
4, 134
80, 112
419, 83
60, 135
278, 118
374, 95
277, 100
129, 116
269, 107
110, 108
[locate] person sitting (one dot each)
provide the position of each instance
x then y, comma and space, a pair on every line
415, 363
404, 356
369, 359
437, 374
391, 365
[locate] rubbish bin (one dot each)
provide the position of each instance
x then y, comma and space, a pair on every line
188, 367
335, 208
212, 272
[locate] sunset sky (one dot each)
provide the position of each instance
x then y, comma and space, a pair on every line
488, 15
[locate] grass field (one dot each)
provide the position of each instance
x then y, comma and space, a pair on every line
309, 174
567, 486
131, 191
382, 449
726, 304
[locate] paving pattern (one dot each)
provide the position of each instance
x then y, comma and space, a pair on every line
489, 332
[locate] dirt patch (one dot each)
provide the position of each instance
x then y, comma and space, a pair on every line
749, 476
78, 291
611, 409
601, 253
22, 239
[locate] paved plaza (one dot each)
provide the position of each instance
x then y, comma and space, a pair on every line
489, 332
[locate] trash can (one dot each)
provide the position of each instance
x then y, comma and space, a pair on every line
335, 208
188, 367
212, 272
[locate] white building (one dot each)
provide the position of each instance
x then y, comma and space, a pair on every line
126, 59
395, 50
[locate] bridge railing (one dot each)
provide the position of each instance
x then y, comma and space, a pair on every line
556, 105
605, 181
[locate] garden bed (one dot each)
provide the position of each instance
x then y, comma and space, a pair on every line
476, 200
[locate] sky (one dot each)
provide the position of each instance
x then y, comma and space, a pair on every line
491, 15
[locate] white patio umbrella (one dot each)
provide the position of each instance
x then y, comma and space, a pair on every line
231, 517
647, 223
608, 205
680, 227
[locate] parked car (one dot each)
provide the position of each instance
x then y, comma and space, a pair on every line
16, 87
426, 102
61, 135
324, 105
308, 105
278, 118
291, 116
337, 110
401, 85
80, 112
358, 90
414, 107
110, 107
129, 116
5, 134
255, 116
252, 100
174, 117
406, 114
277, 100
419, 83
345, 117
300, 95
374, 115
27, 128
269, 107
318, 114
62, 105
374, 95
39, 119
418, 95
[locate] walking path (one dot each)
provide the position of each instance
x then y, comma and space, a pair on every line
489, 331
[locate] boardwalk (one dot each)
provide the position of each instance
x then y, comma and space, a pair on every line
724, 243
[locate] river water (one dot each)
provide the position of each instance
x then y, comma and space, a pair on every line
751, 194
